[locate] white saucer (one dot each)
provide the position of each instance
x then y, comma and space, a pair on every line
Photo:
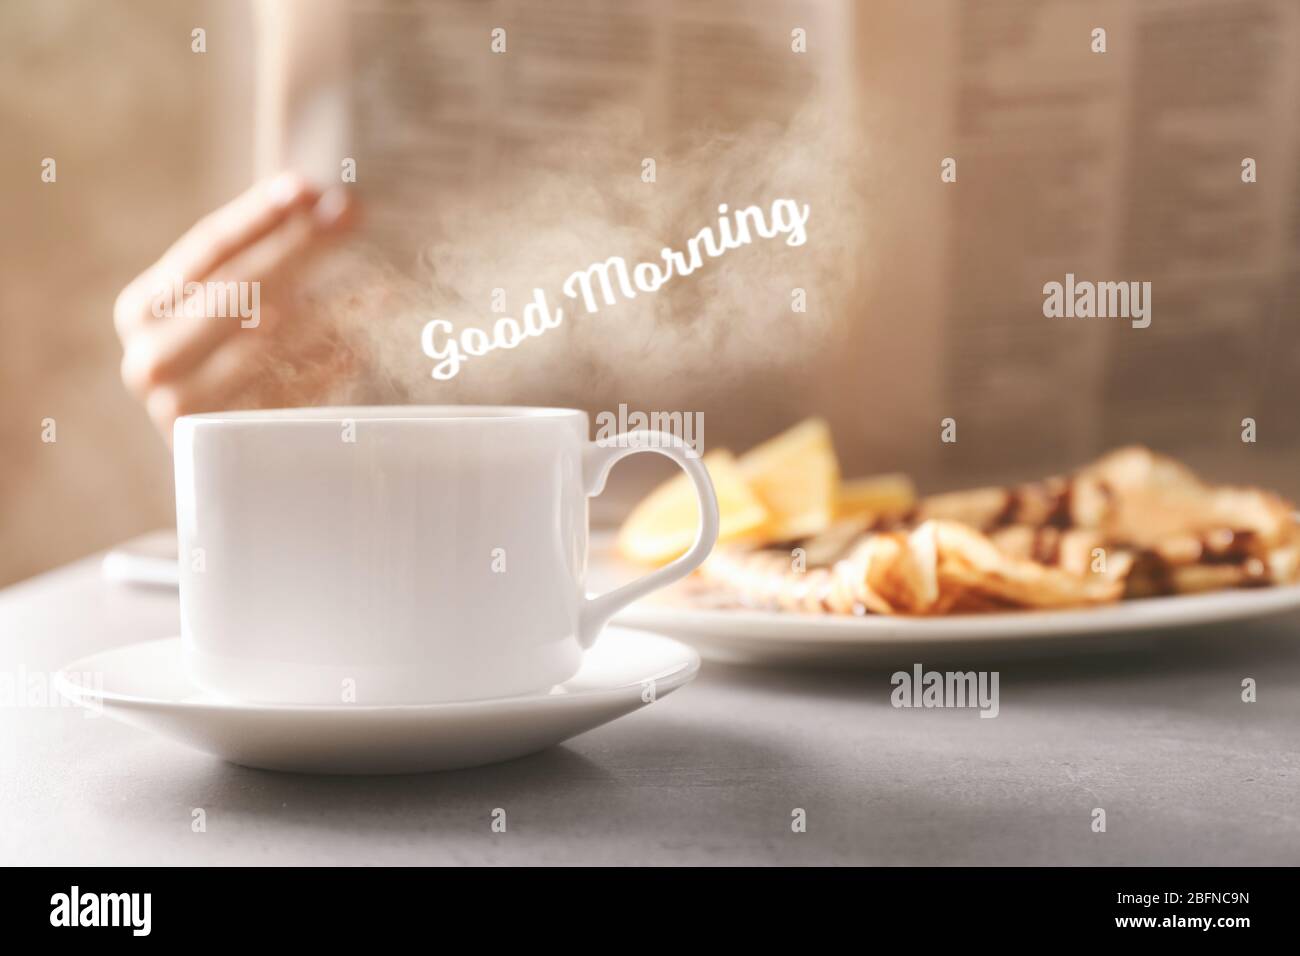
145, 685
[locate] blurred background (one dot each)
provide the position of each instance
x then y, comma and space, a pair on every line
481, 170
145, 143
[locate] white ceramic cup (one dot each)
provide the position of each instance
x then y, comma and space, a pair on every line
398, 555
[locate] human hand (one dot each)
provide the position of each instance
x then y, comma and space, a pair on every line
239, 333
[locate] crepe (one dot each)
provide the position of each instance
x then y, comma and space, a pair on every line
1132, 524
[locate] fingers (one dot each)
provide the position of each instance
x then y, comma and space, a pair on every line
219, 347
168, 350
244, 220
229, 371
244, 372
213, 240
334, 212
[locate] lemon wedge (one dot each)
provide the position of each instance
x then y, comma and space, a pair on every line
663, 525
796, 476
879, 496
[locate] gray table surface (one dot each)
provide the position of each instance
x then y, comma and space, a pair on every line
1158, 736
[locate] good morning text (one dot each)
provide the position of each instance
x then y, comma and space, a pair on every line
611, 281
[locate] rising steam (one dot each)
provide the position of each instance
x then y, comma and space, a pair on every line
567, 205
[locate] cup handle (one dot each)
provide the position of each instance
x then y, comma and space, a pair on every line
598, 459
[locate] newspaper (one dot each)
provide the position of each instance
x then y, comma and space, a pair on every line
1123, 165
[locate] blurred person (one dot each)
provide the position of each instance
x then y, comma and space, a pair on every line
450, 168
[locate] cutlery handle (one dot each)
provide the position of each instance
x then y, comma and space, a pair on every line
598, 459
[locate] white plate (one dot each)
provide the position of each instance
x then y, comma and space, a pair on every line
145, 685
785, 637
772, 636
